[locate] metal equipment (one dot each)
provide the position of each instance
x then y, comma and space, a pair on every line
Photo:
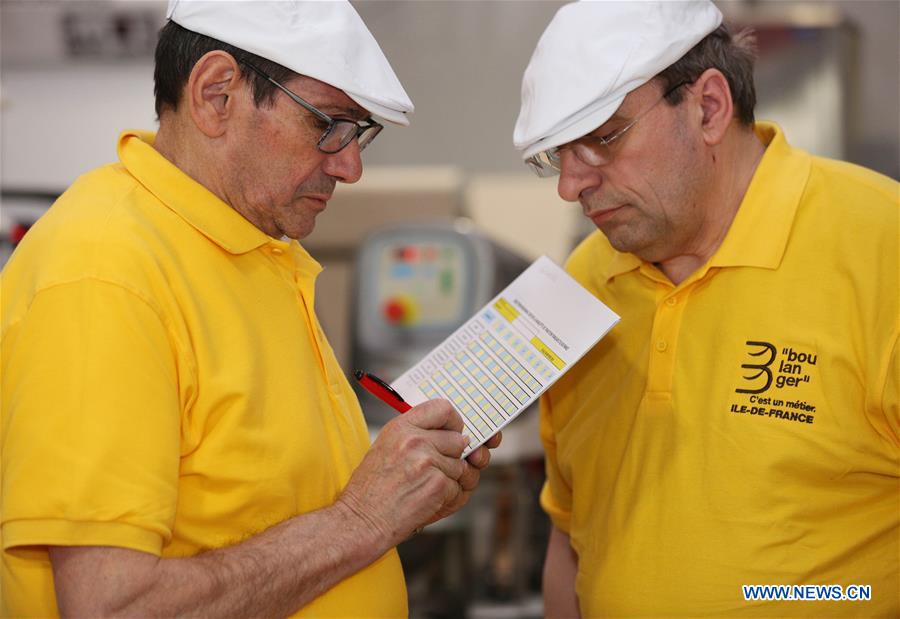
415, 284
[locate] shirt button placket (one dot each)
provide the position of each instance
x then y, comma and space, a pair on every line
666, 325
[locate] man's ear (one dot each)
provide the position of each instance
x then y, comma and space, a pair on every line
715, 103
212, 92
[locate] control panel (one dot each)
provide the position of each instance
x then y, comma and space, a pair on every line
421, 283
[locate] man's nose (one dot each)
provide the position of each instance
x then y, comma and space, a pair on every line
575, 176
344, 165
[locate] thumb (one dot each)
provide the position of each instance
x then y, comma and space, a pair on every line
435, 414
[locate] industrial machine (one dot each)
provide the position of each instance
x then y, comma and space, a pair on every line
415, 284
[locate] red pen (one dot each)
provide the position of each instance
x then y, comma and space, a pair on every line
382, 391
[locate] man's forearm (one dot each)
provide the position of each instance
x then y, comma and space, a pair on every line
412, 475
271, 574
560, 571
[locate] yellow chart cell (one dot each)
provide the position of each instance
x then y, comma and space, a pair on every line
506, 309
429, 392
548, 353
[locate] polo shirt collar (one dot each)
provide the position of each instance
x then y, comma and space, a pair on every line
759, 233
306, 266
186, 197
621, 263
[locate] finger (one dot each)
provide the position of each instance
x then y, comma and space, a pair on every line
494, 441
469, 479
437, 414
456, 499
452, 492
479, 458
446, 442
452, 467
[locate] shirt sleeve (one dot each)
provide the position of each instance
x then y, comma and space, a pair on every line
556, 495
91, 421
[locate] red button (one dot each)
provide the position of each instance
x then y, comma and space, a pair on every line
394, 311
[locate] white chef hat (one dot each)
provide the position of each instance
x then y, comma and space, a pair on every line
324, 40
593, 54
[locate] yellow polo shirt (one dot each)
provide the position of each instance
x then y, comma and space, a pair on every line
742, 427
166, 386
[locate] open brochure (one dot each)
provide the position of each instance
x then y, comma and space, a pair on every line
504, 357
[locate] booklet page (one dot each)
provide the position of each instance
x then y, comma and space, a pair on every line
503, 358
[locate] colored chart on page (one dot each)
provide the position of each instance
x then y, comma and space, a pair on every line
504, 357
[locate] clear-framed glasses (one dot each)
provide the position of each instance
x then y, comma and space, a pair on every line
594, 150
339, 132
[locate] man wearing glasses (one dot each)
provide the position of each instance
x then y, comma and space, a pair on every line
740, 426
178, 438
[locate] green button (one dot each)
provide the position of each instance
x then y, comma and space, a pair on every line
446, 281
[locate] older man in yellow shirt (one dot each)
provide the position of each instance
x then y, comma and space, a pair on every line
177, 437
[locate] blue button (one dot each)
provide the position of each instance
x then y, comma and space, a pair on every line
402, 271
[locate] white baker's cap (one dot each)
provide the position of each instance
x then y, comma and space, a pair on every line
593, 54
326, 40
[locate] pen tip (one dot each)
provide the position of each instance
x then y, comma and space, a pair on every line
358, 374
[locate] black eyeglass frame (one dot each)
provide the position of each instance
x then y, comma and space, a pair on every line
360, 128
546, 162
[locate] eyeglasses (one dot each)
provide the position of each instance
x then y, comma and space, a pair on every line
339, 132
594, 150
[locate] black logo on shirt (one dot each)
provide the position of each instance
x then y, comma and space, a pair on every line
761, 349
761, 373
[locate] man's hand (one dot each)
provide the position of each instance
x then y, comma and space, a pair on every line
413, 474
475, 461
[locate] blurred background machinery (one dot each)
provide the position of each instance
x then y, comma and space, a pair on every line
415, 285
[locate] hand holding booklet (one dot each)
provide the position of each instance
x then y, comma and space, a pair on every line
504, 357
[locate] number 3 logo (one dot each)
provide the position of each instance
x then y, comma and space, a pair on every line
763, 368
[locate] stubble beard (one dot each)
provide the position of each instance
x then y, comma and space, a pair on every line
629, 230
